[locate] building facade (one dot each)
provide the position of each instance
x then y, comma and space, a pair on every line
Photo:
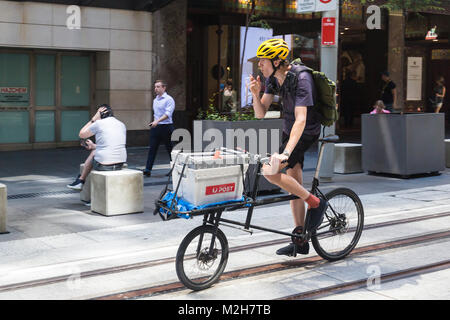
53, 74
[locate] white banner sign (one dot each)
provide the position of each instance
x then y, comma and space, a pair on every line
414, 79
255, 37
316, 5
306, 5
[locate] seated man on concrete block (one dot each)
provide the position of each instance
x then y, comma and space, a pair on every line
108, 153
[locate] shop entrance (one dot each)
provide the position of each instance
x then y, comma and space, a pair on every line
440, 66
45, 97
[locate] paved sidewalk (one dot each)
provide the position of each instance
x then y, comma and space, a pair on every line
40, 204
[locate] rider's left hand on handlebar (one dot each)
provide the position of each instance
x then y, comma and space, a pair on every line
275, 163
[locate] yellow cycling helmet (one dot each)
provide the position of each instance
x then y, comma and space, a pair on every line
273, 48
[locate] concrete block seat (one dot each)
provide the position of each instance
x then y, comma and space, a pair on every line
3, 205
347, 158
447, 153
117, 192
85, 194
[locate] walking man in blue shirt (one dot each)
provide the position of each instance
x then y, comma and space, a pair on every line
162, 126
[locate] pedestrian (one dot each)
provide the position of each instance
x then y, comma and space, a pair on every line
349, 98
161, 127
229, 98
388, 92
301, 129
108, 153
439, 93
379, 107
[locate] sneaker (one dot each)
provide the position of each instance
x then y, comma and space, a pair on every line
289, 250
316, 215
77, 184
147, 173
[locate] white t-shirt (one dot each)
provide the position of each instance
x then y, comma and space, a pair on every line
110, 138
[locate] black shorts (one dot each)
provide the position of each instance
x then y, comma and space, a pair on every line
298, 154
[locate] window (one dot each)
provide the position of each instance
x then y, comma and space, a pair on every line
45, 96
71, 123
75, 81
45, 126
45, 79
14, 127
14, 79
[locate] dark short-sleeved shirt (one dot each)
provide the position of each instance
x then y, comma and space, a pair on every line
301, 94
386, 95
439, 89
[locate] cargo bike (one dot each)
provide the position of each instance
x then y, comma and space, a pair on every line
203, 253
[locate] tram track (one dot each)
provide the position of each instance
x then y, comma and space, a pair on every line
226, 276
359, 284
276, 267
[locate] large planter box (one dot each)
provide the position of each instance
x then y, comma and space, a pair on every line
403, 144
255, 136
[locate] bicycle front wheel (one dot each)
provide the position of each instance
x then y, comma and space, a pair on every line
342, 226
202, 257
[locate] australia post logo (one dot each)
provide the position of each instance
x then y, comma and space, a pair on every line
13, 90
221, 188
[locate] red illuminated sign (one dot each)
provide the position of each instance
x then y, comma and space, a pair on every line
222, 188
328, 31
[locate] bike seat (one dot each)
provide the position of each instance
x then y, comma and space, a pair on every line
330, 139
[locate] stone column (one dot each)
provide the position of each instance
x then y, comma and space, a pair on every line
169, 49
3, 205
396, 53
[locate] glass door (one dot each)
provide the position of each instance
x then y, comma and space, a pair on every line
45, 96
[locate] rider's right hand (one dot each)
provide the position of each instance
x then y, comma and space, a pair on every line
255, 85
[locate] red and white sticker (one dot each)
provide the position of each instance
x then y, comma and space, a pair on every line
13, 90
221, 188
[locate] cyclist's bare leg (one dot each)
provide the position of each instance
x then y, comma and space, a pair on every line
87, 166
286, 182
297, 205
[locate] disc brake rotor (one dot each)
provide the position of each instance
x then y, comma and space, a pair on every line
205, 260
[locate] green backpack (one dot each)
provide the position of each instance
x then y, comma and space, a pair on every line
325, 103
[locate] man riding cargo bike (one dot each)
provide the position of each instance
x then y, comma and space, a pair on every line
301, 128
333, 222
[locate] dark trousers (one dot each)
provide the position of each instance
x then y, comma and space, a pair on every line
347, 111
160, 134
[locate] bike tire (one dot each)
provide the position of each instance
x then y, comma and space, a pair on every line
343, 201
201, 283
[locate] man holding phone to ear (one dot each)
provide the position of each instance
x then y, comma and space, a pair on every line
109, 152
301, 129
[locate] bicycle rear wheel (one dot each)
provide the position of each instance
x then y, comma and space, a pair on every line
202, 257
342, 226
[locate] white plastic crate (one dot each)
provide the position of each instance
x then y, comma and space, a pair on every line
208, 180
